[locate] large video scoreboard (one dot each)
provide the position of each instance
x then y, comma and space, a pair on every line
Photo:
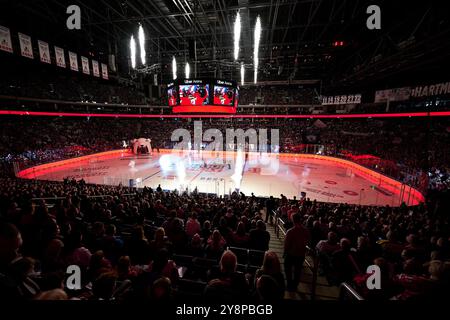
203, 96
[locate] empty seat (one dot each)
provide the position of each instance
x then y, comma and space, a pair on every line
252, 269
241, 268
190, 288
183, 260
201, 268
241, 254
255, 257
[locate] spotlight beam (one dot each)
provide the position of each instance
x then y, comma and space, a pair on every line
141, 37
133, 52
187, 70
237, 35
174, 68
257, 37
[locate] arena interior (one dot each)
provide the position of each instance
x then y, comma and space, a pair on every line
250, 151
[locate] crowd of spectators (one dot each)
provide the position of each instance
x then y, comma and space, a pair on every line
410, 245
43, 82
41, 140
27, 79
154, 245
278, 95
131, 245
71, 88
64, 87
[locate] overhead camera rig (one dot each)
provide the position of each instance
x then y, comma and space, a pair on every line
145, 69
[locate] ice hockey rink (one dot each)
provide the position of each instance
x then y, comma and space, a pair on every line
325, 179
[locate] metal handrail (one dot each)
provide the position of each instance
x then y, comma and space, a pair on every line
313, 267
347, 290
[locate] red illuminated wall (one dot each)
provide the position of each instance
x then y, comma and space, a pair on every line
281, 116
35, 172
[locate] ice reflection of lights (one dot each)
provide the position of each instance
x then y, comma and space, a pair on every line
238, 167
165, 162
264, 160
306, 172
269, 164
181, 171
132, 165
170, 162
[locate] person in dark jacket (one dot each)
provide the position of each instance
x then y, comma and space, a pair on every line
259, 237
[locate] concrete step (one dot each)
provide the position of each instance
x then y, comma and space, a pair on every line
323, 290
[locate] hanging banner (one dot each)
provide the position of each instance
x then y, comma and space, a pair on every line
397, 94
85, 65
26, 48
5, 39
44, 52
95, 69
104, 71
60, 60
112, 62
73, 61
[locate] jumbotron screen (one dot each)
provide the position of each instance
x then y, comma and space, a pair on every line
203, 96
223, 95
194, 94
172, 95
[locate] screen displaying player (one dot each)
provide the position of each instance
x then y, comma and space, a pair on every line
194, 95
172, 96
223, 95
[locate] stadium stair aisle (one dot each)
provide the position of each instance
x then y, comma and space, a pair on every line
323, 290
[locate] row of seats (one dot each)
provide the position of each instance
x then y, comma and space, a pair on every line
195, 272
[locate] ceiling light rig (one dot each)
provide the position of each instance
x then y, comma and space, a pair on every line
174, 68
141, 37
187, 70
237, 35
257, 37
133, 52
